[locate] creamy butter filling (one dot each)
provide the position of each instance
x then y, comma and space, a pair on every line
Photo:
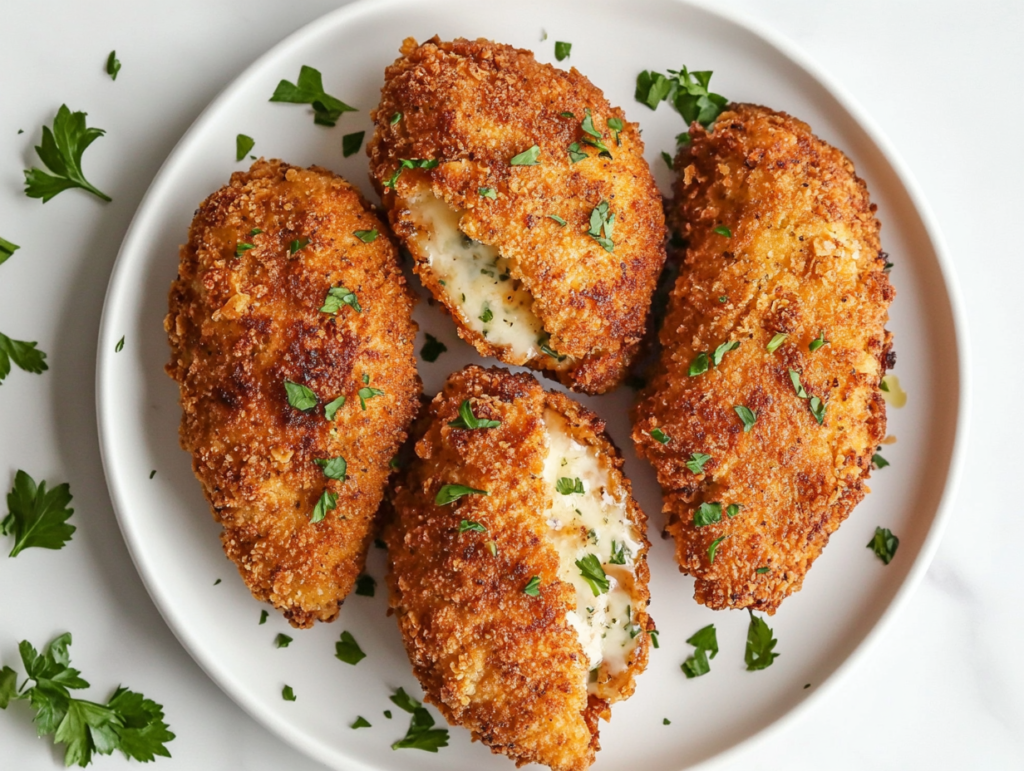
592, 522
476, 278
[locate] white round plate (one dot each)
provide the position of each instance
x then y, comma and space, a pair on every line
173, 538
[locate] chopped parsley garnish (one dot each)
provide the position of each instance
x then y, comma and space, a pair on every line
22, 353
333, 468
366, 393
619, 553
350, 143
817, 342
451, 493
697, 461
595, 136
113, 65
216, 582
705, 641
410, 163
562, 50
747, 415
328, 502
331, 408
593, 574
699, 365
653, 633
527, 157
395, 118
469, 526
616, 125
660, 436
243, 144
298, 244
387, 714
724, 348
61, 152
600, 220
683, 139
309, 89
879, 461
547, 349
242, 247
487, 315
282, 641
348, 650
714, 548
686, 91
652, 88
366, 236
361, 722
760, 645
7, 249
732, 510
817, 409
432, 348
794, 377
488, 192
567, 486
722, 230
469, 421
707, 514
255, 232
762, 571
884, 544
576, 153
37, 517
288, 694
777, 339
300, 397
264, 615
883, 385
366, 586
668, 160
120, 345
555, 217
532, 588
128, 722
421, 734
666, 721
338, 296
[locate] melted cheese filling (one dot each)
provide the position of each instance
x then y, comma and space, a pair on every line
593, 522
476, 279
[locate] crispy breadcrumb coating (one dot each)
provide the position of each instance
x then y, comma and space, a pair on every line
796, 252
472, 106
507, 665
240, 326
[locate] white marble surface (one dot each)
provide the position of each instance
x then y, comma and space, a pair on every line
945, 686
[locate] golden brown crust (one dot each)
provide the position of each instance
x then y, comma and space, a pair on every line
473, 105
506, 665
239, 327
803, 258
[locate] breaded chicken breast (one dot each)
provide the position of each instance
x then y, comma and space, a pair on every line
527, 203
292, 343
518, 568
764, 409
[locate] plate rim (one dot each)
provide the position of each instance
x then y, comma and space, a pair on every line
788, 49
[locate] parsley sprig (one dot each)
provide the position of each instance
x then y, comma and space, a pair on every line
309, 89
23, 353
469, 421
61, 153
602, 220
705, 641
593, 573
760, 645
7, 250
421, 734
37, 517
686, 91
128, 722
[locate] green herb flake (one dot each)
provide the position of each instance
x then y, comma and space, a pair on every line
714, 548
699, 365
264, 615
527, 157
300, 397
451, 493
616, 125
732, 510
216, 582
817, 409
282, 641
794, 378
366, 236
395, 118
762, 571
592, 572
333, 468
747, 415
488, 192
120, 345
387, 714
576, 153
350, 143
547, 349
61, 152
666, 721
532, 588
555, 217
707, 514
361, 722
723, 231
469, 526
469, 421
562, 50
817, 342
704, 641
309, 89
421, 734
7, 250
331, 408
37, 517
686, 91
487, 315
619, 553
601, 221
660, 436
724, 348
152, 473
760, 645
243, 144
879, 461
684, 139
884, 544
328, 501
777, 339
366, 585
432, 348
668, 160
652, 88
366, 393
337, 296
242, 247
567, 486
24, 354
697, 461
653, 634
348, 650
113, 65
288, 694
297, 245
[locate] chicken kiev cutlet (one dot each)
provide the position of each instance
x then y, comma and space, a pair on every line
518, 568
527, 204
764, 409
292, 342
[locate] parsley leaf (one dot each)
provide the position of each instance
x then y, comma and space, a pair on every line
777, 339
722, 230
697, 461
421, 734
884, 544
348, 650
593, 574
747, 415
699, 365
469, 421
469, 526
653, 634
120, 345
334, 468
395, 118
724, 348
366, 236
366, 393
547, 349
817, 342
652, 88
366, 585
532, 588
817, 409
328, 501
668, 160
555, 217
732, 510
350, 143
37, 517
714, 548
879, 461
243, 145
794, 377
451, 493
488, 314
7, 249
113, 65
282, 641
128, 722
300, 397
527, 157
687, 91
705, 641
432, 348
707, 514
331, 408
567, 486
264, 615
361, 722
297, 245
410, 163
562, 50
488, 192
338, 296
619, 553
576, 153
601, 220
61, 153
762, 571
288, 694
616, 125
660, 436
309, 89
242, 247
760, 645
